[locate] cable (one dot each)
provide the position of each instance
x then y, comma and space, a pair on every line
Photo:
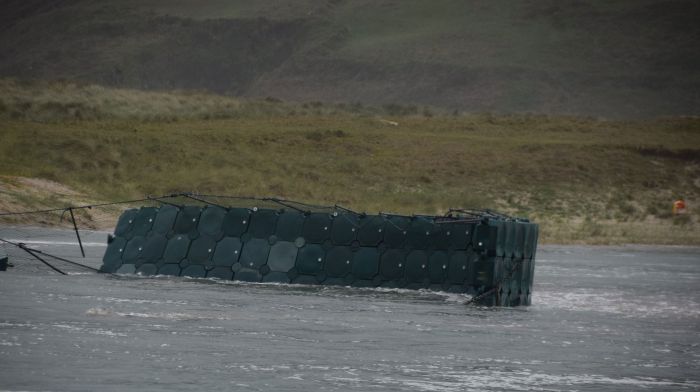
24, 248
32, 251
89, 206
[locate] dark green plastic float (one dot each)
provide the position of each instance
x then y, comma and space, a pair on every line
487, 255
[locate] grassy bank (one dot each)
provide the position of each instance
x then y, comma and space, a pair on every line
583, 180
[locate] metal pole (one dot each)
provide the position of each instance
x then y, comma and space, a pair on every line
75, 226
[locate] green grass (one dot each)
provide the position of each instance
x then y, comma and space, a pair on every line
583, 180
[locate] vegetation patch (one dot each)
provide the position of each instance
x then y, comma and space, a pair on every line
584, 180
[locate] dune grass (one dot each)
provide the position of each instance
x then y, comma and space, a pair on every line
583, 180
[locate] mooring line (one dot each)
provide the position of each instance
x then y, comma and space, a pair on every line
24, 248
193, 197
283, 203
88, 206
34, 253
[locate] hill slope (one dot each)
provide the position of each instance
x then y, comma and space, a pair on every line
583, 180
612, 59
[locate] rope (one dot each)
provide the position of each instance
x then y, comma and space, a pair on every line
202, 200
88, 206
474, 215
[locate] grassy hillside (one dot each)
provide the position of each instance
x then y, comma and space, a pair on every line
584, 180
622, 59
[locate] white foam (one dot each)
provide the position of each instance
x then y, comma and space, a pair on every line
90, 330
98, 311
166, 316
518, 381
615, 302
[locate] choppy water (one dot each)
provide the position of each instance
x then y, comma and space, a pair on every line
607, 318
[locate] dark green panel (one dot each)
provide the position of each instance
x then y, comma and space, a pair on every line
165, 219
113, 255
248, 275
310, 259
500, 236
227, 252
277, 277
417, 266
317, 227
223, 273
133, 250
520, 232
440, 237
531, 274
169, 269
125, 223
263, 223
282, 256
392, 264
365, 263
127, 269
255, 253
176, 250
419, 233
460, 235
143, 221
515, 280
536, 238
437, 266
482, 235
525, 278
498, 273
211, 222
194, 271
344, 229
371, 231
483, 272
500, 298
515, 292
509, 242
529, 245
396, 230
153, 248
187, 220
339, 261
289, 225
508, 263
147, 269
458, 268
236, 222
201, 251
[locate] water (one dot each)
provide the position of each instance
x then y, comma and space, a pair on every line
603, 318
